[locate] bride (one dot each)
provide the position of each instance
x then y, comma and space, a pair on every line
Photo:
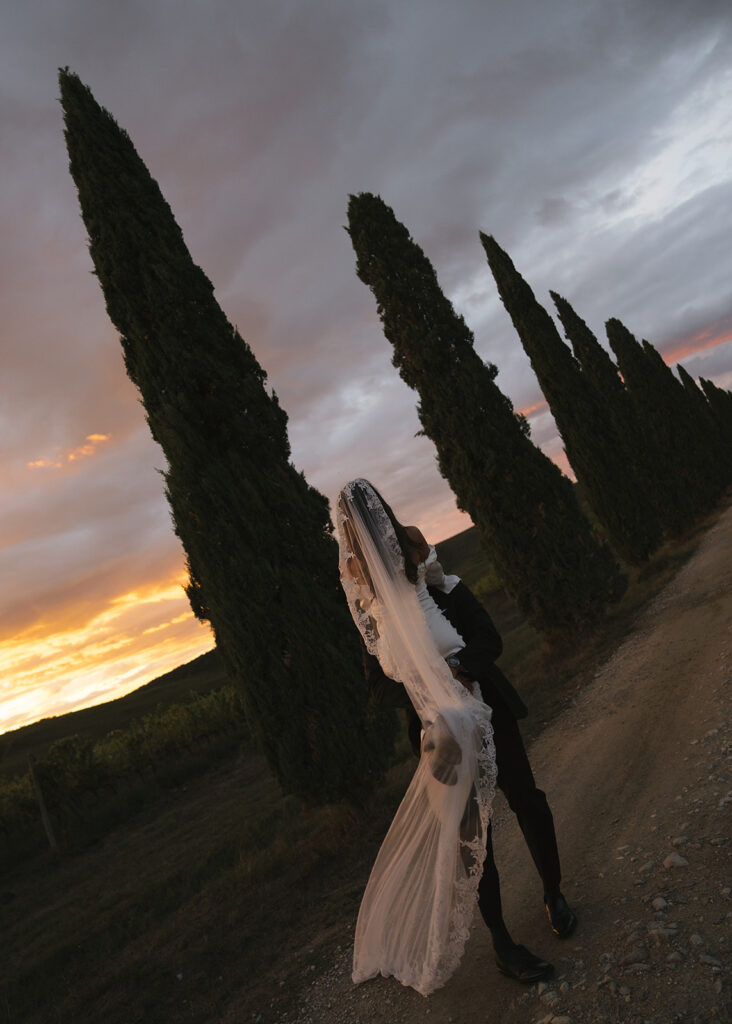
417, 908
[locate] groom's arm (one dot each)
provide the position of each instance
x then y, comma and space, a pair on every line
483, 644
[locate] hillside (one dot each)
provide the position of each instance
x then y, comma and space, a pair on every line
201, 675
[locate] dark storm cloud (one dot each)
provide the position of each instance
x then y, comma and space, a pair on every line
591, 139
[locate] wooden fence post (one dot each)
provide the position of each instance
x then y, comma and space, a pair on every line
42, 804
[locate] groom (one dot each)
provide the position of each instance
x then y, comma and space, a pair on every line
476, 661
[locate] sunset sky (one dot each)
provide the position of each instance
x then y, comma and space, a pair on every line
591, 138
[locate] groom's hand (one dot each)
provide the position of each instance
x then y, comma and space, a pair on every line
443, 751
462, 678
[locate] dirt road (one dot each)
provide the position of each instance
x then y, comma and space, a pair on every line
637, 772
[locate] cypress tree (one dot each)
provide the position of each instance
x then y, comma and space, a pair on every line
719, 445
646, 463
531, 525
262, 559
595, 452
700, 438
720, 402
666, 437
597, 366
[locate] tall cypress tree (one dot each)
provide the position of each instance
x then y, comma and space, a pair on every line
531, 525
720, 402
597, 366
593, 448
667, 437
644, 461
262, 559
700, 441
717, 443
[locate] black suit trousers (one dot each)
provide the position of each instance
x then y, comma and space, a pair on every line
530, 806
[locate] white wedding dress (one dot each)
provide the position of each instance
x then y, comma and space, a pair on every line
418, 905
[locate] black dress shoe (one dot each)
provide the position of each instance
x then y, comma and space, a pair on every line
519, 964
561, 918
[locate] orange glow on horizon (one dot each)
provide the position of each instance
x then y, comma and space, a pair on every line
444, 526
137, 636
696, 343
531, 409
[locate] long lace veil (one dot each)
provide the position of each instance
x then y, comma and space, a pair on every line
418, 904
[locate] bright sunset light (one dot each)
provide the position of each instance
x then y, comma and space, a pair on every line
135, 638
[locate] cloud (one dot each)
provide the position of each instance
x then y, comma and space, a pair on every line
81, 451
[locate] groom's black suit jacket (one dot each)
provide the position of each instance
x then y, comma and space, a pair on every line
483, 645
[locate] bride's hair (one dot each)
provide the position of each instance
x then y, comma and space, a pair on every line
406, 543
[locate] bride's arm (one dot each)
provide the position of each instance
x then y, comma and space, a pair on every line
383, 690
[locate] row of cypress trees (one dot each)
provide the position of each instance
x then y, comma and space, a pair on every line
650, 452
643, 444
261, 557
544, 549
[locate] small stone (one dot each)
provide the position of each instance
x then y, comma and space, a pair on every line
625, 992
718, 986
679, 840
648, 866
561, 1020
635, 956
564, 988
659, 903
696, 940
622, 850
550, 998
542, 987
675, 860
674, 958
607, 958
704, 959
726, 890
